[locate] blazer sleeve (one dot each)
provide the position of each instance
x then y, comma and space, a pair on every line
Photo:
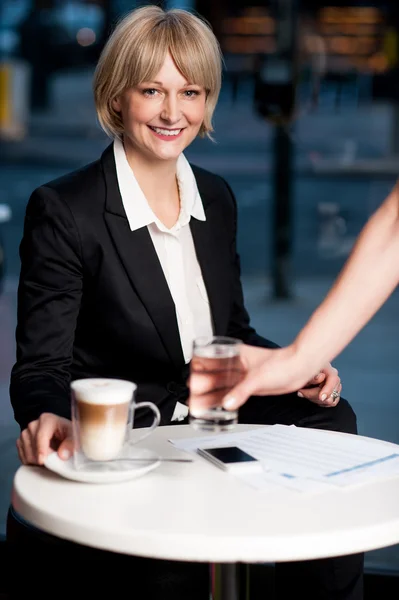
49, 297
239, 323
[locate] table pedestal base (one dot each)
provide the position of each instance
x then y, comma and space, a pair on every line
229, 581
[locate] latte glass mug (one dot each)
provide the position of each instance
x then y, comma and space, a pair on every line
103, 413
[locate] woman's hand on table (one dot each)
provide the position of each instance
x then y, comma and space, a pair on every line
48, 433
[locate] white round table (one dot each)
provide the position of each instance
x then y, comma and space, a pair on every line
197, 512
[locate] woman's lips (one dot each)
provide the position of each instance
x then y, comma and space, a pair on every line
160, 133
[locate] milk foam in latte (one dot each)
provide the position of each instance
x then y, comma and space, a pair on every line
102, 411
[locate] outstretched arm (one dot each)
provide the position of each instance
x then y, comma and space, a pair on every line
369, 276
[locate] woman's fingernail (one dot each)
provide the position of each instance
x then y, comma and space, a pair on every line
65, 454
300, 394
323, 397
230, 402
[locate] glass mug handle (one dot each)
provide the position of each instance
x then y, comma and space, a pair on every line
155, 423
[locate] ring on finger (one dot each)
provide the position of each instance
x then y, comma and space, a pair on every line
335, 395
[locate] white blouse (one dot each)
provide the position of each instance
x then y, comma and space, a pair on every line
174, 247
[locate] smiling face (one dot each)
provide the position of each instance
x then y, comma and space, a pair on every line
161, 117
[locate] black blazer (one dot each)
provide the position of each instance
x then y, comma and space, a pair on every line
93, 300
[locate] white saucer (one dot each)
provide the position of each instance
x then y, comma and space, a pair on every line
121, 470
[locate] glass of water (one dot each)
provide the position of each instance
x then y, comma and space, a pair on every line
218, 359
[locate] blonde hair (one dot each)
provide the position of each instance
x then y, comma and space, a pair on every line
136, 51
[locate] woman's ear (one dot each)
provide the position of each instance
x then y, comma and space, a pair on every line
116, 104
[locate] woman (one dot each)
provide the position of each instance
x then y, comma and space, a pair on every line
368, 278
125, 261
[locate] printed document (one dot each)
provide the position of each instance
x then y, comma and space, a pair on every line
292, 454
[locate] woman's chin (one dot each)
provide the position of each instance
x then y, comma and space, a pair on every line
168, 153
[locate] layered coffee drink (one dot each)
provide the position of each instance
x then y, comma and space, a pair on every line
102, 412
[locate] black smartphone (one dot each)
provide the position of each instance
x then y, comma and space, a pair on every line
229, 458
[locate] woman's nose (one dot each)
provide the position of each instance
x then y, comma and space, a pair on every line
171, 111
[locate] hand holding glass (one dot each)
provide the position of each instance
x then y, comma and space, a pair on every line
218, 359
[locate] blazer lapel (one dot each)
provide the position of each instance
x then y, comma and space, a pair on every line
138, 255
212, 254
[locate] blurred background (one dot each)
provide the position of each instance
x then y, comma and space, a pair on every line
307, 135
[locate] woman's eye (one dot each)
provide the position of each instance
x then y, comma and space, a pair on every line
150, 92
191, 93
